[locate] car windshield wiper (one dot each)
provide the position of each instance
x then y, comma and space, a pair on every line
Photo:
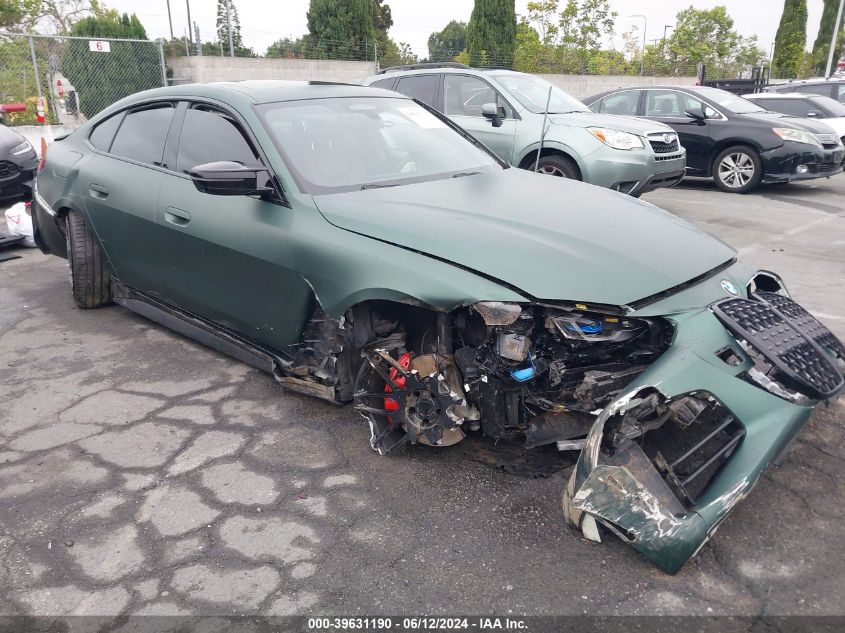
460, 174
378, 186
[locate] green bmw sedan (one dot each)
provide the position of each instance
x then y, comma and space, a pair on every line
364, 249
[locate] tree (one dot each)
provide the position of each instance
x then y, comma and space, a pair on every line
101, 79
821, 47
543, 14
790, 39
703, 36
584, 24
492, 32
444, 45
19, 15
342, 28
382, 16
223, 25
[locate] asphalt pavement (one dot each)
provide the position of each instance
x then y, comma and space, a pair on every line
141, 473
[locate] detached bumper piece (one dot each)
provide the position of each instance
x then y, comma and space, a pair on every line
804, 356
665, 463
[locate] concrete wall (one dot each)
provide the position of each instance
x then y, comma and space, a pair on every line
580, 86
207, 68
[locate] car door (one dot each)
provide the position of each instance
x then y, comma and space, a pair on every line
463, 96
227, 255
119, 183
669, 107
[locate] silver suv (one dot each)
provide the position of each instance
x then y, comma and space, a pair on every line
505, 109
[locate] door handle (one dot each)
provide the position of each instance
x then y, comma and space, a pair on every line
98, 191
177, 216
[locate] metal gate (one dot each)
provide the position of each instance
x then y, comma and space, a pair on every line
758, 78
67, 80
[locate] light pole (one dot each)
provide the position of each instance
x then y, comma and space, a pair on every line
229, 26
169, 19
833, 40
190, 30
663, 42
645, 26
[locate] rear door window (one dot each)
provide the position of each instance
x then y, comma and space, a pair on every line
624, 103
141, 135
384, 83
103, 134
209, 135
422, 87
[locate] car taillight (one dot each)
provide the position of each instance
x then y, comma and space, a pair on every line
43, 155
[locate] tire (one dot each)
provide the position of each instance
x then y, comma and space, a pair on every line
557, 165
738, 169
90, 280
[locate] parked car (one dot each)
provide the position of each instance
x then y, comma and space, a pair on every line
363, 248
833, 88
18, 162
808, 106
734, 141
505, 111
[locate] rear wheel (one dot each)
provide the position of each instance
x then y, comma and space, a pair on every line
738, 169
557, 165
89, 277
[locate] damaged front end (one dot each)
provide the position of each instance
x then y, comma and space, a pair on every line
666, 462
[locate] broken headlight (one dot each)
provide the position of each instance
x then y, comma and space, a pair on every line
593, 326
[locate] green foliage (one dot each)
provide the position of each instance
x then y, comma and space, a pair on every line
492, 32
444, 45
343, 28
223, 26
19, 15
790, 39
821, 47
101, 79
583, 24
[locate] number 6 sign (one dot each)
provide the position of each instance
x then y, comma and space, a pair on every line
99, 46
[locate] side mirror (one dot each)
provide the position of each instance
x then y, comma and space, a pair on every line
228, 178
814, 114
494, 113
696, 113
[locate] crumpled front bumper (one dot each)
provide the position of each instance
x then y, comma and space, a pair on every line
630, 498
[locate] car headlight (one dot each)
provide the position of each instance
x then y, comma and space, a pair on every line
796, 136
617, 139
23, 148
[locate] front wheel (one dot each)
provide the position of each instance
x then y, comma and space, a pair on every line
89, 276
738, 169
556, 165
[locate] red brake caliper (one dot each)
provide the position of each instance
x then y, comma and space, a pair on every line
405, 363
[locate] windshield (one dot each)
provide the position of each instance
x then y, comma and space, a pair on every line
831, 105
732, 102
351, 143
532, 92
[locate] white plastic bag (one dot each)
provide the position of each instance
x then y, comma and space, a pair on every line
19, 222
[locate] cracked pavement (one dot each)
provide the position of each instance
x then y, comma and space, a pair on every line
141, 473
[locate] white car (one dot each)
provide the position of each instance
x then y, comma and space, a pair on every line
808, 106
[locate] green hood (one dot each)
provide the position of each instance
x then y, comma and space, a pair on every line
549, 237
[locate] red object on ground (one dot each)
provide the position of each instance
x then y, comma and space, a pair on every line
12, 107
59, 88
405, 363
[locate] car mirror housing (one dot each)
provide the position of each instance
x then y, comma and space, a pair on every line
228, 178
696, 113
494, 113
814, 114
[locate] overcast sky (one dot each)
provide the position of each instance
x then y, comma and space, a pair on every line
264, 21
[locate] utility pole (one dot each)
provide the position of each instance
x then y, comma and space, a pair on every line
645, 26
199, 39
169, 19
663, 44
229, 22
834, 40
190, 36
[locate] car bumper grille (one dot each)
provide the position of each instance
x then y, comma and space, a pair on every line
8, 170
803, 354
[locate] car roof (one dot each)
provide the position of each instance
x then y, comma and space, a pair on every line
604, 93
263, 91
782, 95
821, 81
495, 72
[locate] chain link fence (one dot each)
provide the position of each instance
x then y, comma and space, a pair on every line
67, 80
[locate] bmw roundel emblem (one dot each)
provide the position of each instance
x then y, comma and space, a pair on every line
728, 287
